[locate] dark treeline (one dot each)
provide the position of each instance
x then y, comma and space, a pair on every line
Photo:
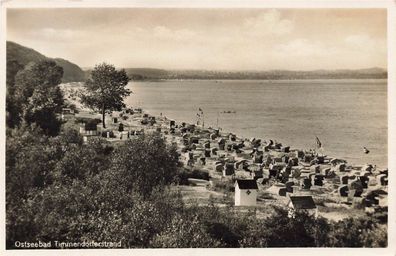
61, 189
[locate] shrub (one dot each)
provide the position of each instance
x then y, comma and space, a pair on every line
223, 185
185, 174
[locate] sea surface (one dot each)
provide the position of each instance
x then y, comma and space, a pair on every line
346, 115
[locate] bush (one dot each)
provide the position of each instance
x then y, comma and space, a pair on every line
144, 163
380, 214
185, 174
223, 185
58, 188
356, 232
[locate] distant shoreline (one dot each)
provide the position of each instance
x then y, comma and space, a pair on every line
262, 80
158, 74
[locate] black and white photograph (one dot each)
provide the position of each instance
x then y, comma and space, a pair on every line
152, 127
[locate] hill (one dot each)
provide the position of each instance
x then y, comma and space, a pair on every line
23, 55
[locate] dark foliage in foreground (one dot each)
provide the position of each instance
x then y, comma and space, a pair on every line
60, 189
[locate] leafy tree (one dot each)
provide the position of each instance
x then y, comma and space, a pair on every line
185, 231
357, 232
42, 109
321, 231
375, 236
140, 219
223, 234
13, 66
38, 97
82, 161
45, 73
278, 230
28, 165
105, 89
144, 163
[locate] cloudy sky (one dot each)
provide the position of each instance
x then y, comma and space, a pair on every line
221, 39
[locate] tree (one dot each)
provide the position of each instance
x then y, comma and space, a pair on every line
357, 232
105, 89
38, 97
42, 109
143, 164
61, 189
45, 73
13, 66
185, 232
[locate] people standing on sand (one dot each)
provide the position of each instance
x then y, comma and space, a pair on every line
365, 150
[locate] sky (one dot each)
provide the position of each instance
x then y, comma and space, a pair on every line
212, 39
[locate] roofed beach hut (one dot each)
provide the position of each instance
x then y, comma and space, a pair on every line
302, 203
364, 180
232, 137
172, 123
382, 179
228, 169
90, 128
246, 192
219, 167
343, 191
300, 154
213, 151
221, 143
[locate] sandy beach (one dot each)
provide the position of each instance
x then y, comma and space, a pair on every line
337, 187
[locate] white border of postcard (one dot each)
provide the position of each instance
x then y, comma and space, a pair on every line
390, 5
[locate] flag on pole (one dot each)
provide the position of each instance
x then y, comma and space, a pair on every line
318, 143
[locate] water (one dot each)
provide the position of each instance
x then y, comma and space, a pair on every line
345, 114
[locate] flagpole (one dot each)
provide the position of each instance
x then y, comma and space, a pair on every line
217, 120
201, 114
319, 145
203, 120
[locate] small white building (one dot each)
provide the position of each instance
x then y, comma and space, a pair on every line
245, 192
302, 203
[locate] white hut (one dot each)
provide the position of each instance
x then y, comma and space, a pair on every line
305, 203
245, 192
